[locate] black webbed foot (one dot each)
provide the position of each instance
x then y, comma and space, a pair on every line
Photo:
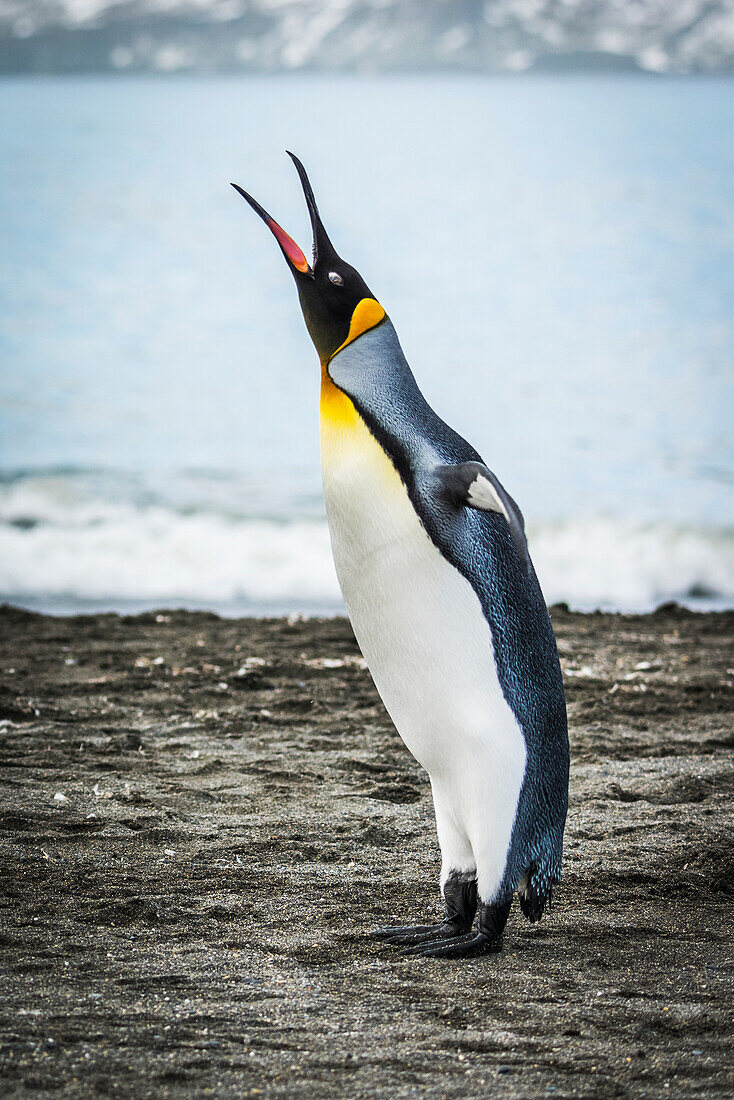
460, 896
486, 940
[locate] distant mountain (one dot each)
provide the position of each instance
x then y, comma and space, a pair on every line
678, 36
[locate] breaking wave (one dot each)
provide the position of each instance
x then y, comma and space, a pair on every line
66, 548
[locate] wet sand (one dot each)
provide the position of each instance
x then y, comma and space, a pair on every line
201, 819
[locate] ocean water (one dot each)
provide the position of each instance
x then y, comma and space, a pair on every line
557, 255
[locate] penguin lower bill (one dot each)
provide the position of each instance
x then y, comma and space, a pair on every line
431, 556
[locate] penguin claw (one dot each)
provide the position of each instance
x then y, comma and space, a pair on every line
422, 934
459, 947
393, 933
420, 948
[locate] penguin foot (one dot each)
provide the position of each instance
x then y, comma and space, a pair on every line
486, 940
460, 897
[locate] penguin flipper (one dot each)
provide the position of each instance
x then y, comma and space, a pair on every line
473, 485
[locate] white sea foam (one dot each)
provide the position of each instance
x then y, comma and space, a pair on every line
595, 563
62, 545
55, 545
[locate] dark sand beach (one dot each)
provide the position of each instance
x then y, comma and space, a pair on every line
202, 818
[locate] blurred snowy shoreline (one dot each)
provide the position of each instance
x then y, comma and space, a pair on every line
366, 36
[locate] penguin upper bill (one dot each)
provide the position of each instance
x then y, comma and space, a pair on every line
337, 304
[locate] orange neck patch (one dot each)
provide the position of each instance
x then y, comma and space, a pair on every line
367, 314
335, 405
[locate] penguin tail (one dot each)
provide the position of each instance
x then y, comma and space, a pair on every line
535, 892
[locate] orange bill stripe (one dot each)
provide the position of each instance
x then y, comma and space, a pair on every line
288, 245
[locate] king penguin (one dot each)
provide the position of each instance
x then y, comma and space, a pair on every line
433, 563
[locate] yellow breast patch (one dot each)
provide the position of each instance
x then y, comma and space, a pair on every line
348, 448
353, 464
336, 408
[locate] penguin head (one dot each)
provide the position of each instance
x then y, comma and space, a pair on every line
337, 304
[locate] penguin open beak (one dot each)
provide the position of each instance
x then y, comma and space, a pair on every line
288, 246
322, 246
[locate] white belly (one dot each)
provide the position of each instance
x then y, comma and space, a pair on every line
425, 639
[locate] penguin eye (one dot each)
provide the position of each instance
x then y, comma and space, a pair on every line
335, 278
